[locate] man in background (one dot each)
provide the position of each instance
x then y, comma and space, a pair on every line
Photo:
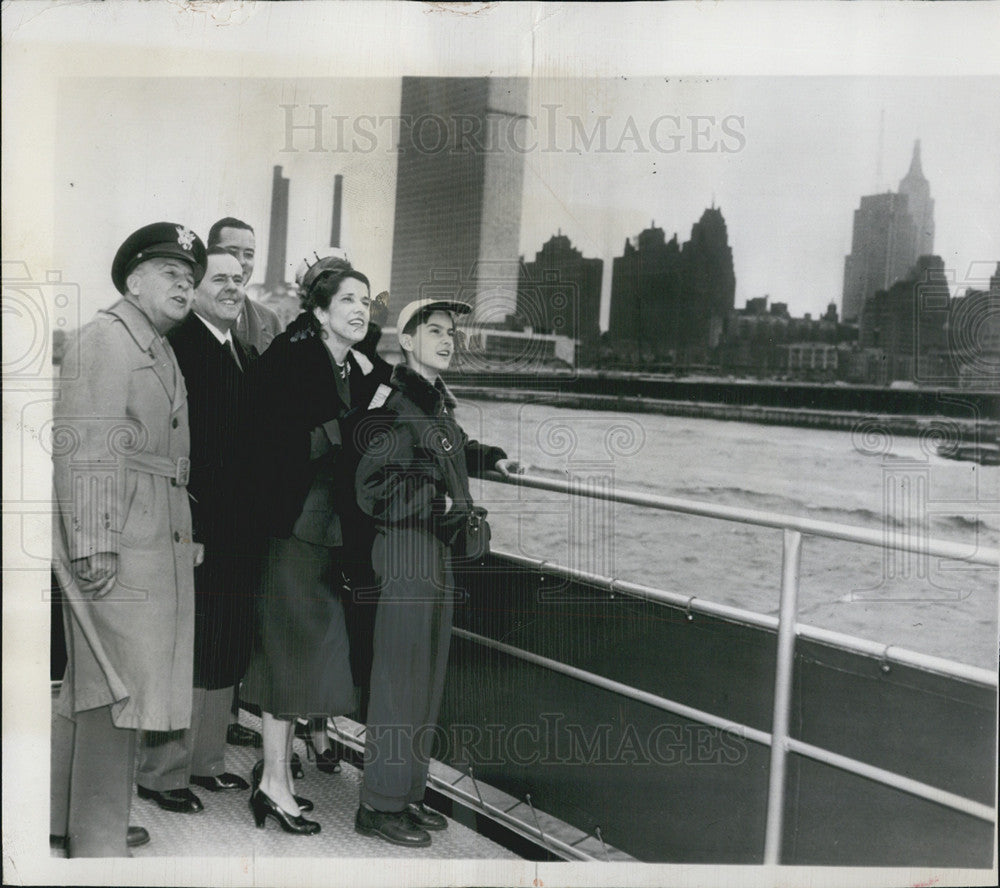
255, 328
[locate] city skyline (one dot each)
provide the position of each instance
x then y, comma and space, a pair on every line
787, 178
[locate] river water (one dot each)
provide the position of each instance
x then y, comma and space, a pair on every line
898, 486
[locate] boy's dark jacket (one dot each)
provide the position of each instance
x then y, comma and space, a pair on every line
416, 457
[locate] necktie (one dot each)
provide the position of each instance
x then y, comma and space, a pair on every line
235, 356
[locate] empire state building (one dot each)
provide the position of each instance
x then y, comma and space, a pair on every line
891, 231
921, 206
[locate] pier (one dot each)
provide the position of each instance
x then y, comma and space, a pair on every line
945, 414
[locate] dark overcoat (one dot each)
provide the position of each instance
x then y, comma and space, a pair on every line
221, 488
305, 465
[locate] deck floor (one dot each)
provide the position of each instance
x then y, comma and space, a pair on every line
226, 828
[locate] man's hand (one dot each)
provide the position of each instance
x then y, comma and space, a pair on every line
508, 467
97, 573
199, 554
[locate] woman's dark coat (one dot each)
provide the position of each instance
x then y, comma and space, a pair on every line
306, 463
304, 432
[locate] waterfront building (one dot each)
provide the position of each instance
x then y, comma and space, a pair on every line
754, 335
672, 301
480, 349
974, 335
646, 284
817, 361
560, 292
512, 351
908, 322
709, 285
458, 192
890, 231
758, 338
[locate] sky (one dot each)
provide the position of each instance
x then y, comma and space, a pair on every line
807, 150
786, 159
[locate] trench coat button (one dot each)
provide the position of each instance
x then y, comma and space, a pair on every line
177, 536
175, 423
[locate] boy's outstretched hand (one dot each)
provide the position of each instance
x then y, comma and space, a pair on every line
509, 467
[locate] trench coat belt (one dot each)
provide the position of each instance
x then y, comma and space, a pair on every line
177, 470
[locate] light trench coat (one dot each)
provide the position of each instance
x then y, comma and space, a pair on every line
120, 421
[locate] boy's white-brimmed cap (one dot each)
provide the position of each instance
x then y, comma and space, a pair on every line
411, 308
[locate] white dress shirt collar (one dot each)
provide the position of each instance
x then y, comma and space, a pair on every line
225, 338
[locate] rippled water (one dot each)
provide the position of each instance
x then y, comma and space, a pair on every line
897, 486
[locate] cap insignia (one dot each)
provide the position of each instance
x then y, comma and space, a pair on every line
185, 237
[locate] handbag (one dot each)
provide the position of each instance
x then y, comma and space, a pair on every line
472, 543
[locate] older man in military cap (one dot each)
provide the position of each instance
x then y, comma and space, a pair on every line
123, 549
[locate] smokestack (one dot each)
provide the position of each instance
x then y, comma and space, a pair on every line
274, 276
338, 189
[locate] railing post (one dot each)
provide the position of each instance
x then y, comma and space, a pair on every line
790, 563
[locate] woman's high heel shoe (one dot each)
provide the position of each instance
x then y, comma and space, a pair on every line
327, 761
262, 808
258, 771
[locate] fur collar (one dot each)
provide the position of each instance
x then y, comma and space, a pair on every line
306, 326
431, 399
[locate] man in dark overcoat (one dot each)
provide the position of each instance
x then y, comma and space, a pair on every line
216, 368
122, 546
256, 327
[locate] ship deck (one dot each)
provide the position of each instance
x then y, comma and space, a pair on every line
226, 829
769, 740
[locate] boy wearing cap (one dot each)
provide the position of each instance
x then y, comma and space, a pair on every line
413, 481
123, 548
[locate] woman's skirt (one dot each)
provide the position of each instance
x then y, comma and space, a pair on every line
300, 665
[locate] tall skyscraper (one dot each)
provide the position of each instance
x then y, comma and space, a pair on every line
671, 298
890, 232
560, 292
709, 281
921, 206
458, 192
646, 288
277, 241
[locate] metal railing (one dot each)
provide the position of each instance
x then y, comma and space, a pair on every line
787, 629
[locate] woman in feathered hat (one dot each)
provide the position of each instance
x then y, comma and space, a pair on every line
310, 380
